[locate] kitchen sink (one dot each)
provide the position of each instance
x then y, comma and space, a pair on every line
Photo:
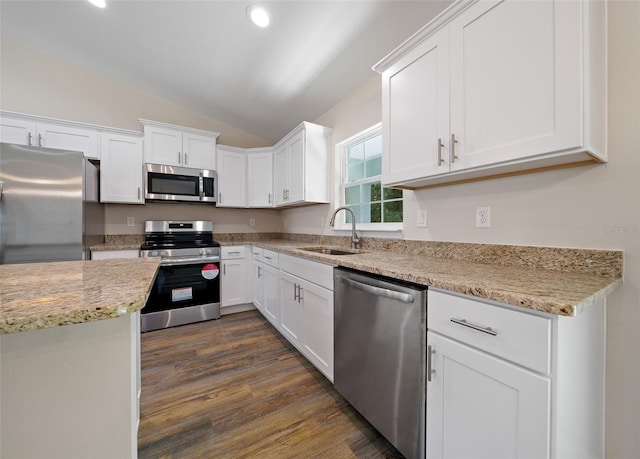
329, 251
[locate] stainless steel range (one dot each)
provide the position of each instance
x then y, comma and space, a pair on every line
187, 288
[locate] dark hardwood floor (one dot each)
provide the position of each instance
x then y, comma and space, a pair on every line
234, 388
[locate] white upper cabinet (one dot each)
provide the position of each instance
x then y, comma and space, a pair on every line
232, 177
179, 146
495, 87
260, 177
42, 132
301, 166
17, 130
121, 168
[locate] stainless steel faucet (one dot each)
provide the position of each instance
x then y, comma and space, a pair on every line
355, 241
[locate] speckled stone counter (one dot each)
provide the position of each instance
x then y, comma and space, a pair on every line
119, 242
552, 280
43, 295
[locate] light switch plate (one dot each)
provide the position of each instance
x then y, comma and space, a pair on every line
131, 221
421, 218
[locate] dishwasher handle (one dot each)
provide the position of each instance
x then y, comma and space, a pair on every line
379, 291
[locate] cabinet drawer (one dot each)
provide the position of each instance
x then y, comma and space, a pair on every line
313, 271
231, 252
257, 253
270, 257
519, 337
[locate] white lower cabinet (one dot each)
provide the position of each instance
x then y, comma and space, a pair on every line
306, 309
482, 406
506, 382
110, 254
271, 306
258, 278
233, 284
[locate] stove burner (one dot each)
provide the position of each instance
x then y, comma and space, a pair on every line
178, 235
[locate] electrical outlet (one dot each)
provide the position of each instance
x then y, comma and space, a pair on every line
421, 218
483, 217
131, 221
252, 222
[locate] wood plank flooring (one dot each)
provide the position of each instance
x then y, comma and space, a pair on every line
235, 388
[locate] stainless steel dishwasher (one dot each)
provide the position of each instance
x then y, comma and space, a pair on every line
380, 354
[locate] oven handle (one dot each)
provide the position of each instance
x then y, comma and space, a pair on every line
188, 261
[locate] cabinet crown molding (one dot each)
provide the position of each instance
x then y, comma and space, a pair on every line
144, 122
431, 27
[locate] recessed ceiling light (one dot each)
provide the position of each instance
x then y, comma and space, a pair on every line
98, 3
258, 15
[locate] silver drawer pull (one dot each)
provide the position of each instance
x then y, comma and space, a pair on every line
479, 328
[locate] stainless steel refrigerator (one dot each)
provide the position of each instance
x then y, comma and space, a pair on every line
49, 205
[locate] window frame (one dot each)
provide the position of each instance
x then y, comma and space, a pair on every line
341, 173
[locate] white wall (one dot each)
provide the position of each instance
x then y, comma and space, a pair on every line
588, 207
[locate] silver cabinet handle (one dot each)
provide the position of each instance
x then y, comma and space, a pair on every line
453, 148
186, 161
430, 370
379, 291
295, 292
138, 193
39, 140
300, 297
268, 258
440, 145
224, 269
29, 138
179, 158
473, 326
259, 273
220, 197
269, 198
234, 253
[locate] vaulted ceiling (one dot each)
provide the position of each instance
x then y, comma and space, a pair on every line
206, 56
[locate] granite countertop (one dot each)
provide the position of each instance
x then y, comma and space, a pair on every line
553, 280
43, 295
547, 290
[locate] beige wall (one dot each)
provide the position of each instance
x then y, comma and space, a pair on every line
38, 84
35, 83
224, 220
588, 207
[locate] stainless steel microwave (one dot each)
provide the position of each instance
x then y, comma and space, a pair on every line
172, 183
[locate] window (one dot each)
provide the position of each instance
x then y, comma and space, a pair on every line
375, 206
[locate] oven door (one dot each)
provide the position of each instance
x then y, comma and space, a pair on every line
184, 283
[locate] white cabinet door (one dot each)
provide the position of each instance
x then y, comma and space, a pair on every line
271, 306
280, 173
199, 151
162, 146
296, 168
121, 169
258, 285
17, 131
232, 185
68, 138
415, 99
481, 406
111, 254
318, 327
515, 80
260, 179
233, 283
291, 309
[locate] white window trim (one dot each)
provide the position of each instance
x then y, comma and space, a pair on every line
340, 173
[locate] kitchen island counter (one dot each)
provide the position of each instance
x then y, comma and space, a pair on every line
42, 295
